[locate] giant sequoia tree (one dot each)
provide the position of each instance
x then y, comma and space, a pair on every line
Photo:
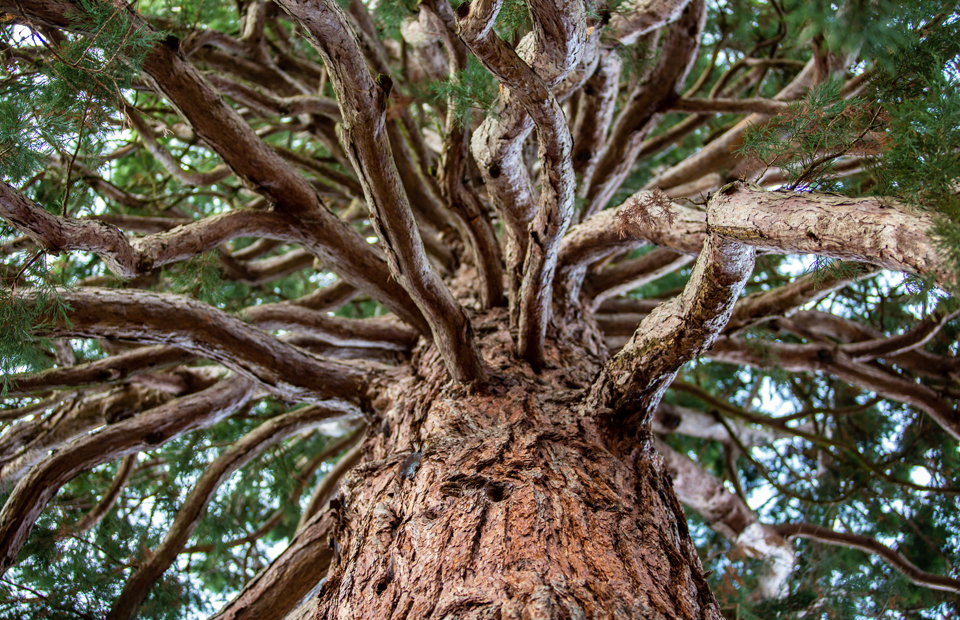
539, 274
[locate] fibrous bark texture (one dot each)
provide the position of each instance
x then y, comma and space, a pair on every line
505, 504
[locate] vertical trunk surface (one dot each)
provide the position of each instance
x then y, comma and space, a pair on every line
507, 503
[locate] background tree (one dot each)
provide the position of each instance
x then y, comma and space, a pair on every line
411, 310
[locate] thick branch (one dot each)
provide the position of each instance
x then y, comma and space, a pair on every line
297, 570
179, 321
871, 230
559, 40
363, 105
632, 383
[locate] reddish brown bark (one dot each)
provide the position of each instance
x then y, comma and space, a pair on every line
507, 503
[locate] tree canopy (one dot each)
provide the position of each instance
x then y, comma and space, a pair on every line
229, 230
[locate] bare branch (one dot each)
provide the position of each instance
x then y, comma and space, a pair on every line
129, 258
871, 230
292, 576
628, 275
557, 46
112, 369
787, 299
832, 360
631, 385
252, 160
729, 106
728, 515
270, 433
171, 165
108, 498
919, 362
865, 543
892, 346
331, 481
719, 152
363, 107
179, 321
681, 41
638, 17
136, 434
379, 333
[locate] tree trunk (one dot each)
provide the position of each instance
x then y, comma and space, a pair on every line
508, 502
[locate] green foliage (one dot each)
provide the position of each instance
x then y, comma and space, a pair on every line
921, 86
46, 106
200, 278
806, 141
20, 349
472, 89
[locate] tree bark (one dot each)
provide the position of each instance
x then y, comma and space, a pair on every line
507, 504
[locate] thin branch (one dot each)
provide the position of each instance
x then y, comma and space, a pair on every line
628, 275
729, 106
829, 359
787, 299
108, 498
914, 338
868, 544
137, 434
331, 480
251, 445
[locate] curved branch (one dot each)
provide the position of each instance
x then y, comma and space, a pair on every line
865, 543
129, 258
638, 17
378, 333
143, 432
873, 230
631, 385
558, 45
921, 334
280, 587
363, 106
832, 360
109, 497
270, 433
171, 165
188, 324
